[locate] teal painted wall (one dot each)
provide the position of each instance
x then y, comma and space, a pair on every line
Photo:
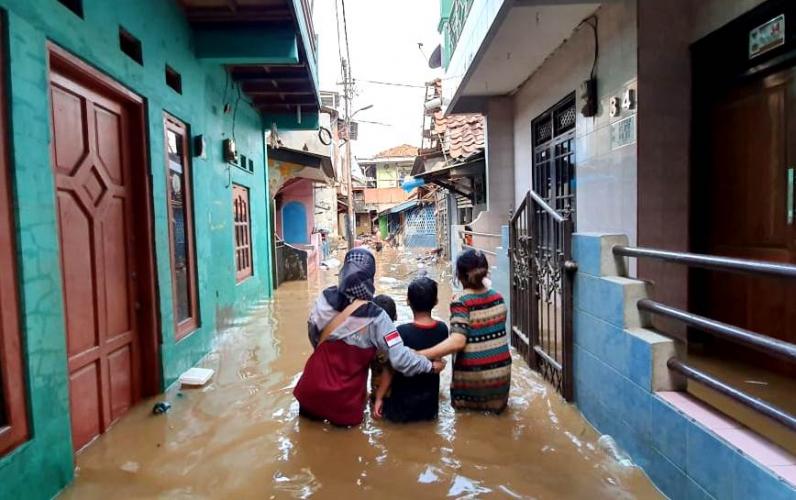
44, 465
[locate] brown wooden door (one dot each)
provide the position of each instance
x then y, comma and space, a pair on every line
90, 156
750, 204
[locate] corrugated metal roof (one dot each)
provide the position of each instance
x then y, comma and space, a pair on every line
401, 207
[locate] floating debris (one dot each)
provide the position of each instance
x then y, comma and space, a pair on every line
330, 263
196, 376
161, 407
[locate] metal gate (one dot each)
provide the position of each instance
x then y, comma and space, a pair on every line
542, 269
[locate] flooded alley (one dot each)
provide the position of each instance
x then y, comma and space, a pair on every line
241, 437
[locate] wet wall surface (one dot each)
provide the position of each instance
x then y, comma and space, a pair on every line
241, 437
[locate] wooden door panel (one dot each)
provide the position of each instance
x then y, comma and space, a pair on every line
117, 275
85, 404
69, 129
120, 369
78, 275
109, 142
91, 161
750, 153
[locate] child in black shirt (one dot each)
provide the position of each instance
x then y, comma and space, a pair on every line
380, 363
414, 398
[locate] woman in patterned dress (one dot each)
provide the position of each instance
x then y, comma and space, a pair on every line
482, 366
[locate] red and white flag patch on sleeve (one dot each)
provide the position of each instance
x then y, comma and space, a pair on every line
393, 338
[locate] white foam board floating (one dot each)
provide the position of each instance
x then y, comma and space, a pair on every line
196, 376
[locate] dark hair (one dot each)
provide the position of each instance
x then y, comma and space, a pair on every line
471, 269
386, 303
422, 294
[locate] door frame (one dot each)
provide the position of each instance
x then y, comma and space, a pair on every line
148, 319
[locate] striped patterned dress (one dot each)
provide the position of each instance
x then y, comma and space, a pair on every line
482, 370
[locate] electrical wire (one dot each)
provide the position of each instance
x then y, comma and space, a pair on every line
593, 23
345, 31
339, 40
226, 88
392, 84
235, 113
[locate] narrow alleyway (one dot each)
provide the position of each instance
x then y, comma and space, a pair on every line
240, 437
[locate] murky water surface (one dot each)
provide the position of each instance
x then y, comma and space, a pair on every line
241, 437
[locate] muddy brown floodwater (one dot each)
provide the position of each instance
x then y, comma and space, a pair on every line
241, 436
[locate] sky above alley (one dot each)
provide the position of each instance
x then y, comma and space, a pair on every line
383, 37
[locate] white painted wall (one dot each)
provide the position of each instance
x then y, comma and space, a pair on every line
710, 15
606, 178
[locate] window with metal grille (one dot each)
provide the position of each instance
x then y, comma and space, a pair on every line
554, 155
13, 409
181, 233
242, 224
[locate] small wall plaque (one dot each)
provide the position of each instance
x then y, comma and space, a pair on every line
623, 132
767, 36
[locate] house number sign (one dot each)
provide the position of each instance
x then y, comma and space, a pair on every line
767, 36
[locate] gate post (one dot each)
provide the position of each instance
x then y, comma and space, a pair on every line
533, 285
569, 267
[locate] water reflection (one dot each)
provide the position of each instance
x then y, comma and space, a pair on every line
241, 437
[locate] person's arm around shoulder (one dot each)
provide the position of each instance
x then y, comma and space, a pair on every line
404, 360
459, 329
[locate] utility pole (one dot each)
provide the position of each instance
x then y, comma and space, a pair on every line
347, 91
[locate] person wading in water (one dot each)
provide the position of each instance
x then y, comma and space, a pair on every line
347, 330
482, 366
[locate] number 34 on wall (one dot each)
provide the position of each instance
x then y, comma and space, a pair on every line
627, 102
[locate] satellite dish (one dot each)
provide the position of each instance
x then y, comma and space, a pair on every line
435, 61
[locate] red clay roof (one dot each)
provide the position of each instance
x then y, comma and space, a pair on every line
401, 151
463, 134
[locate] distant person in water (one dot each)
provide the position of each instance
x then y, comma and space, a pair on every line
381, 361
347, 330
482, 366
401, 398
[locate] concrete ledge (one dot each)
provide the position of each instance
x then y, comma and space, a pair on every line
592, 252
660, 349
612, 299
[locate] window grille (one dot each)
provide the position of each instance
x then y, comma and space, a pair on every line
242, 224
554, 155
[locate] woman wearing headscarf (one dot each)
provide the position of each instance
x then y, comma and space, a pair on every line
347, 330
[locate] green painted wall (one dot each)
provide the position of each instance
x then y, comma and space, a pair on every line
44, 465
384, 227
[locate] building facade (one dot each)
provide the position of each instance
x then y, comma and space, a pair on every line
637, 135
380, 189
133, 221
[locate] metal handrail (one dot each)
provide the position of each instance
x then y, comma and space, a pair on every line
547, 208
487, 235
745, 399
779, 348
713, 262
520, 209
490, 252
774, 347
